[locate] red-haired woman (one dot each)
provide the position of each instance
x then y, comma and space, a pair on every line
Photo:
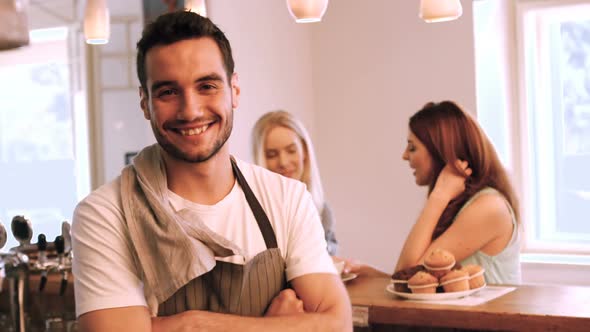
471, 210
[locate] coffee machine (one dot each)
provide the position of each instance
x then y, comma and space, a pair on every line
37, 278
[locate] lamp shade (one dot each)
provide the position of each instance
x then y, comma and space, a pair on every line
440, 10
97, 22
307, 11
196, 6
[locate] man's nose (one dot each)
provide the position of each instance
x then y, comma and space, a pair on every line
190, 108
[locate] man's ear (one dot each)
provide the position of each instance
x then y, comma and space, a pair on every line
235, 90
143, 103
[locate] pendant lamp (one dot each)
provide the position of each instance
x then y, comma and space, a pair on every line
433, 11
307, 11
97, 22
196, 6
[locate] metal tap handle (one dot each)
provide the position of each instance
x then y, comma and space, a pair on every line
64, 282
42, 246
60, 248
59, 245
41, 242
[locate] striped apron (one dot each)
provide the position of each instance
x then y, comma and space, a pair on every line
245, 290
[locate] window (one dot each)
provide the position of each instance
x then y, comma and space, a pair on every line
555, 45
534, 103
43, 132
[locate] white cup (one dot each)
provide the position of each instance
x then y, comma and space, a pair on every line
339, 266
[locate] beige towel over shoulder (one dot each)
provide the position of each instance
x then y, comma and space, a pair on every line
167, 255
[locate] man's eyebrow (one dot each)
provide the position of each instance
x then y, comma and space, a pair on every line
206, 78
209, 77
159, 84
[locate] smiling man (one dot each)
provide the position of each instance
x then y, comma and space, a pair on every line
188, 237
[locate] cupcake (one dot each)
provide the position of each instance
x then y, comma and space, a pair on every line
455, 281
439, 262
476, 278
400, 278
423, 282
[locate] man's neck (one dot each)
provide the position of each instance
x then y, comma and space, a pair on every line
204, 183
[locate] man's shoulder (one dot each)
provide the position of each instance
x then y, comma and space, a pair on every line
103, 204
108, 193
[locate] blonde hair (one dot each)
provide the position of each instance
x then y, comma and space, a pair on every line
311, 172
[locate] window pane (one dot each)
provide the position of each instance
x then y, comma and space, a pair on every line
37, 147
573, 206
557, 79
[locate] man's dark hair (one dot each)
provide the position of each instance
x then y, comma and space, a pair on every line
176, 26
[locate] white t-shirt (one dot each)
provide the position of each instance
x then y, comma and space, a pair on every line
105, 273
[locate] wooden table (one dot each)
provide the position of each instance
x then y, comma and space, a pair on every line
527, 308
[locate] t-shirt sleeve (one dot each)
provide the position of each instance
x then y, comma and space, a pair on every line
306, 249
105, 275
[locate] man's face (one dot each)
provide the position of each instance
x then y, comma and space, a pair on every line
189, 101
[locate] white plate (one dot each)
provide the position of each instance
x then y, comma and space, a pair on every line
433, 297
348, 276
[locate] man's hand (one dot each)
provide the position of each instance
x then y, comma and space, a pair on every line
285, 304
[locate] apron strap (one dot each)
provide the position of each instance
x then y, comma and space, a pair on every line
263, 223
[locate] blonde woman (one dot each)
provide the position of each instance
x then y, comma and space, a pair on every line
282, 145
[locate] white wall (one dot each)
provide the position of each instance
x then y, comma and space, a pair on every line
375, 64
273, 60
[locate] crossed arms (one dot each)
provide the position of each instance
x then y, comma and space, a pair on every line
318, 302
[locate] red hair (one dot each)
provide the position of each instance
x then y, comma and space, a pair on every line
448, 134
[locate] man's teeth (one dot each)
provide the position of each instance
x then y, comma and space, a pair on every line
195, 131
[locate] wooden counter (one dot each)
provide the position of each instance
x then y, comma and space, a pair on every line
527, 308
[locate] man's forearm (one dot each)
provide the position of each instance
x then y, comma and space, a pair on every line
209, 321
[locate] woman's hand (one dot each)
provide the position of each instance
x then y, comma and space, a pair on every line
358, 268
450, 182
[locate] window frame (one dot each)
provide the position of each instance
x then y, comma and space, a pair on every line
523, 133
74, 58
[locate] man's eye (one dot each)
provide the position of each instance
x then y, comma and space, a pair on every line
166, 92
207, 87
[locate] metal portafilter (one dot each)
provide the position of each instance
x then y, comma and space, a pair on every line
21, 230
60, 248
3, 236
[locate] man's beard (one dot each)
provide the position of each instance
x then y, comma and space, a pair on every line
177, 153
